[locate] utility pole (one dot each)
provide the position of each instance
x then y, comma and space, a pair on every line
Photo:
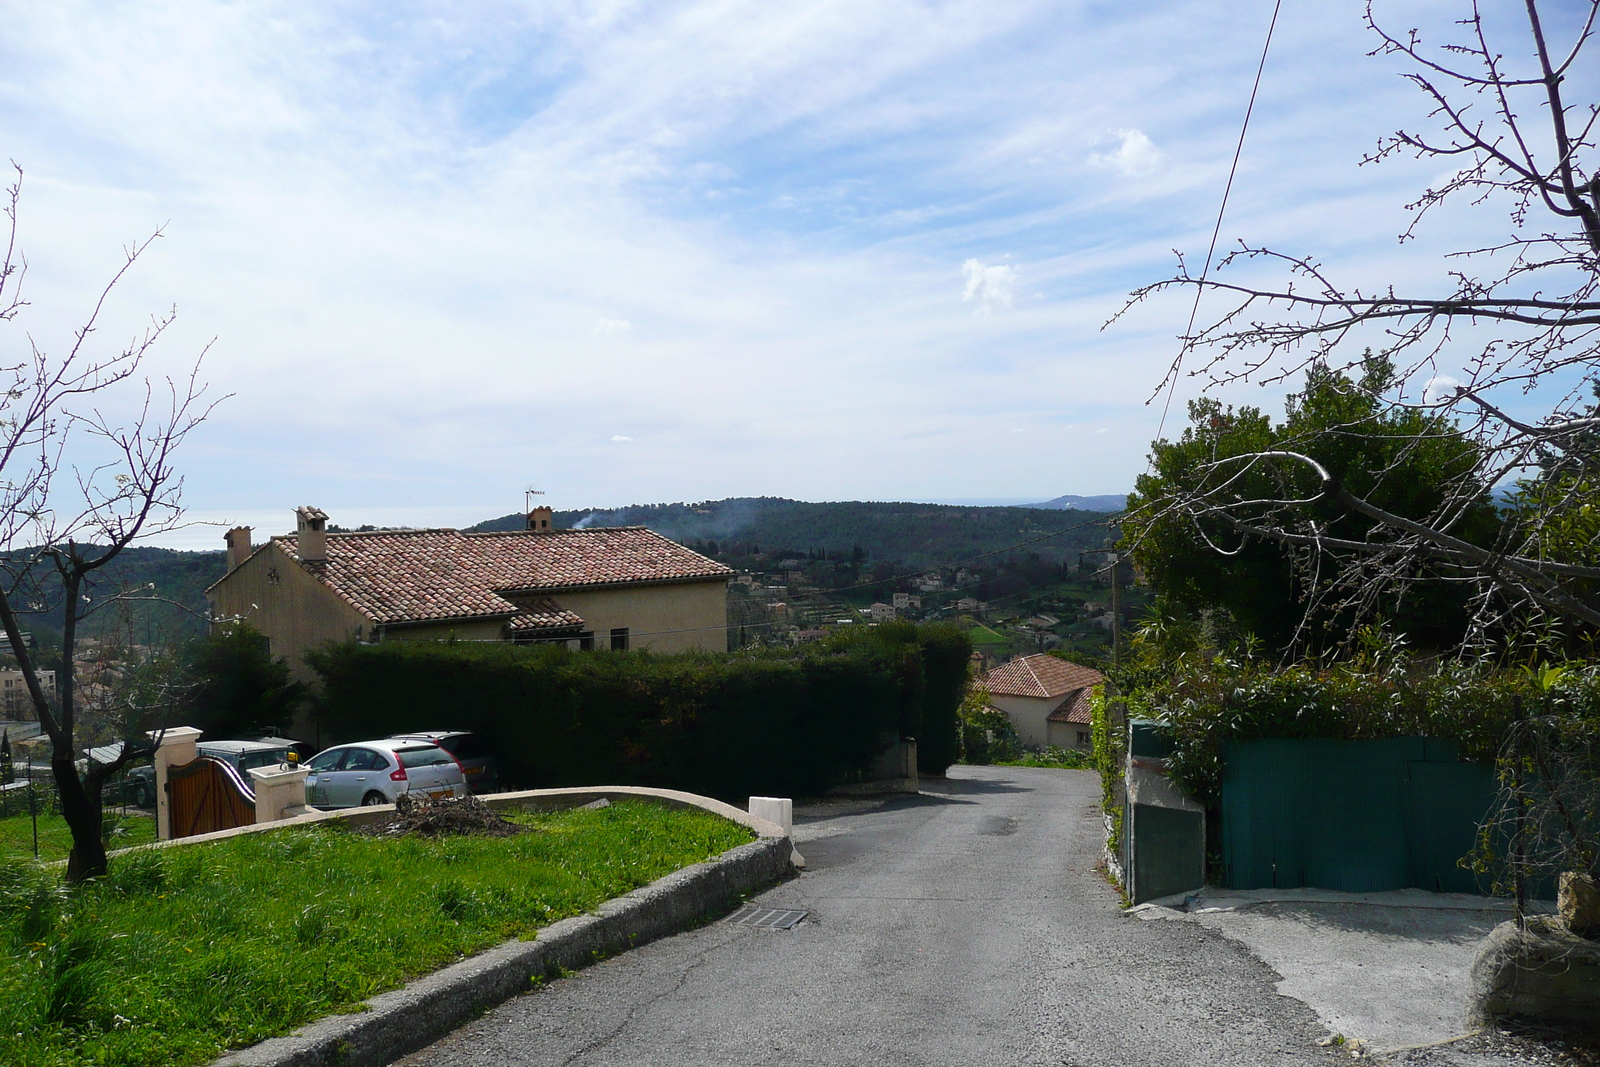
1116, 609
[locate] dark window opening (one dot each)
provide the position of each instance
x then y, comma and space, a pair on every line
619, 639
586, 641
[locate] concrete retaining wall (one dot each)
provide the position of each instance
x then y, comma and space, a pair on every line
404, 1020
407, 1019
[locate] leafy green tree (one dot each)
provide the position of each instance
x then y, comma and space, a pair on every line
236, 685
1506, 325
1199, 520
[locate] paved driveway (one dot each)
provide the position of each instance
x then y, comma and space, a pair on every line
964, 926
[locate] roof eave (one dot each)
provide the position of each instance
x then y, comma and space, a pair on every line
630, 583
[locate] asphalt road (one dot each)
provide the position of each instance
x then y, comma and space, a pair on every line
964, 926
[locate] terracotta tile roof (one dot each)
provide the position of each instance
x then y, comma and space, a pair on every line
1039, 676
1073, 709
435, 575
543, 614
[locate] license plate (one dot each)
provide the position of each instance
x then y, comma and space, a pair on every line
474, 770
438, 793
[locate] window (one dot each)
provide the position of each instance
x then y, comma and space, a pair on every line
364, 759
586, 641
619, 639
422, 756
1083, 738
325, 761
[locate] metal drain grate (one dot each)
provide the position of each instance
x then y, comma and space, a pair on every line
766, 918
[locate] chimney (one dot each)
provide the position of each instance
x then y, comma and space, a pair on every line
539, 520
238, 540
313, 534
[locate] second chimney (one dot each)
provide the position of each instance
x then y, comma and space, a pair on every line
312, 530
238, 540
539, 520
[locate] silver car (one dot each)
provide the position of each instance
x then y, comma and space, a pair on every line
376, 772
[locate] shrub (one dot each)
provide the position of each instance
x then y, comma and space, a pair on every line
729, 725
1208, 705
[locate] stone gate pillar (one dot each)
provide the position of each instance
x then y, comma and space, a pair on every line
174, 748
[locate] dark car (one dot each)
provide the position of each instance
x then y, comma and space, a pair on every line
469, 750
243, 755
140, 782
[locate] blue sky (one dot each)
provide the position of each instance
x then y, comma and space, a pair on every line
634, 252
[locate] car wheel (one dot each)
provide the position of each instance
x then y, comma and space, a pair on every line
373, 799
143, 798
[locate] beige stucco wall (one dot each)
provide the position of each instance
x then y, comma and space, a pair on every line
274, 595
663, 618
1028, 716
1065, 735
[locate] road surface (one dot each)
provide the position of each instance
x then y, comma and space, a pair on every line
964, 926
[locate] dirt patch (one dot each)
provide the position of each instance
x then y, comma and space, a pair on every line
425, 816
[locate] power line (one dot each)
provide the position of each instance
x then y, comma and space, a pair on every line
1199, 289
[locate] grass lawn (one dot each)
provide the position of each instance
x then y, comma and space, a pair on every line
55, 841
1071, 759
182, 953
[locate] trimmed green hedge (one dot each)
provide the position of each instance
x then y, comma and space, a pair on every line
729, 725
1208, 705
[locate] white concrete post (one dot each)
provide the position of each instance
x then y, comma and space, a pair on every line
280, 792
175, 748
779, 810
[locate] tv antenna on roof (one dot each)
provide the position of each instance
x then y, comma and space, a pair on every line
527, 497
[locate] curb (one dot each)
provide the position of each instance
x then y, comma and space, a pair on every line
404, 1020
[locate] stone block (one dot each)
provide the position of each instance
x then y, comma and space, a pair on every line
1578, 902
1543, 971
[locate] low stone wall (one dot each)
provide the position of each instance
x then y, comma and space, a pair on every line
525, 800
404, 1020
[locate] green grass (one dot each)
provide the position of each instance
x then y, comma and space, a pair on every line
1071, 759
55, 840
179, 954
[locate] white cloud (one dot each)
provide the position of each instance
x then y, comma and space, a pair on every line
620, 438
1135, 155
990, 286
446, 216
1439, 388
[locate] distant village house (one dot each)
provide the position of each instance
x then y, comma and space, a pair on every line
1046, 698
598, 588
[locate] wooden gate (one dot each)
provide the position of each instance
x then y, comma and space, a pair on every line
206, 795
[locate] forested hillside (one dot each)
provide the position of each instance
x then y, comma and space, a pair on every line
918, 535
156, 576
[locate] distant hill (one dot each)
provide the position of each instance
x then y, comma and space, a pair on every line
1115, 502
180, 577
920, 535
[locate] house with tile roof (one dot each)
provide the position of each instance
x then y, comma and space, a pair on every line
1045, 697
605, 588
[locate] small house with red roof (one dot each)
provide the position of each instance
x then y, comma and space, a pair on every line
599, 588
1046, 698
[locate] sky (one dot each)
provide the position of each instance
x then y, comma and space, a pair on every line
437, 254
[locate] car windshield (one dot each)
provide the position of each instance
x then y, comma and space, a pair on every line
422, 756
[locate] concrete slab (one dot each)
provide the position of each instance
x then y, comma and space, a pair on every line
1386, 969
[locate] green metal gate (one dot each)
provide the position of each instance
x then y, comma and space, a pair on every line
1358, 816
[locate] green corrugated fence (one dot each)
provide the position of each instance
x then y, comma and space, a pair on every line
1358, 816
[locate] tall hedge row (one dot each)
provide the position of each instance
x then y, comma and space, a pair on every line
727, 725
